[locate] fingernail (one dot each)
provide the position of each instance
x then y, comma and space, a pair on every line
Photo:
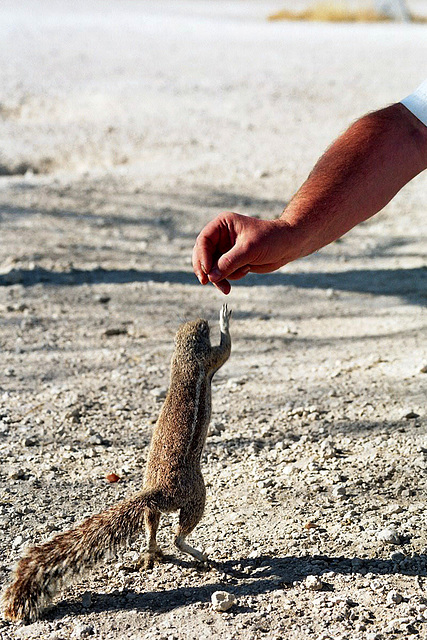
215, 275
221, 286
202, 277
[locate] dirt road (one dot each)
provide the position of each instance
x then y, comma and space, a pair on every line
124, 127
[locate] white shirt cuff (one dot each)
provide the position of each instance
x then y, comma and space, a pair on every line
417, 102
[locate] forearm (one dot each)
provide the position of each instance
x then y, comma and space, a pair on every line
357, 176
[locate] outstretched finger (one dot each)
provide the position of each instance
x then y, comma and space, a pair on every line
224, 286
199, 259
202, 259
206, 247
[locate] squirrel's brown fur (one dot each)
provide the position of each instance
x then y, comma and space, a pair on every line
173, 482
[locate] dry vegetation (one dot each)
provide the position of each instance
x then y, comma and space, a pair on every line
336, 12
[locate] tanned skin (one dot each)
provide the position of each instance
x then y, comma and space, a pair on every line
353, 180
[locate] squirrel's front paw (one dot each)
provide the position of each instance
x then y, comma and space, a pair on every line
224, 318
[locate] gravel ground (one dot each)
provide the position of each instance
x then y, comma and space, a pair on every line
124, 128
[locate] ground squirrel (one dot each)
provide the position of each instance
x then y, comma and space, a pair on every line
173, 482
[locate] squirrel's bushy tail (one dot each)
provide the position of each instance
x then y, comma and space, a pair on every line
44, 568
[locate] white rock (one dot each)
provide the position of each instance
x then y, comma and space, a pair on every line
377, 585
17, 541
82, 631
159, 392
395, 508
394, 597
19, 474
222, 600
350, 515
389, 535
398, 624
313, 583
327, 452
4, 427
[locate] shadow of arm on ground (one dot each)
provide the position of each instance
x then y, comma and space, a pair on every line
410, 284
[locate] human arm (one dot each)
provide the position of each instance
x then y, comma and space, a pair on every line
354, 179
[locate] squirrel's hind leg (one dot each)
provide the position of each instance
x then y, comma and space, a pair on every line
189, 516
153, 551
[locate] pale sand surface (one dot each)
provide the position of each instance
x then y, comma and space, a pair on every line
135, 122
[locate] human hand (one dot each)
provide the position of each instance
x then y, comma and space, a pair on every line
232, 245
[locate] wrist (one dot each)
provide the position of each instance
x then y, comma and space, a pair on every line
297, 235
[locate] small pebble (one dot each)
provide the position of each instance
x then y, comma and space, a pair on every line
82, 631
327, 451
115, 331
313, 583
411, 415
222, 600
394, 597
112, 477
399, 624
339, 492
395, 508
17, 541
389, 535
350, 515
96, 438
159, 392
19, 474
236, 382
4, 428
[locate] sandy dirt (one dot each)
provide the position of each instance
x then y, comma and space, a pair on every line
125, 126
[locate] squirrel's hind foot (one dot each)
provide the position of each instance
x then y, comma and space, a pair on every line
180, 544
148, 559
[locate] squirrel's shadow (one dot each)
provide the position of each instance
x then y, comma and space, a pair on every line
245, 577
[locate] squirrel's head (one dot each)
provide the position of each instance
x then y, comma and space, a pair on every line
193, 338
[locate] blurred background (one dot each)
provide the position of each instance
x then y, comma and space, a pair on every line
115, 83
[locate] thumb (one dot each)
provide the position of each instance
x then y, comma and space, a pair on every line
228, 263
